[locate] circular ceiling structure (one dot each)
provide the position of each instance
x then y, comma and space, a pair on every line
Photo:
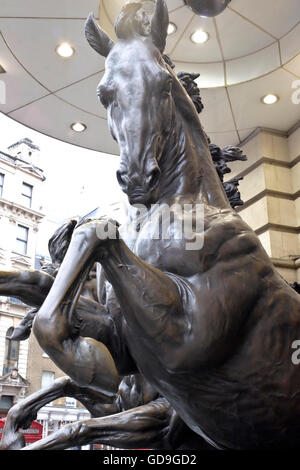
251, 49
248, 40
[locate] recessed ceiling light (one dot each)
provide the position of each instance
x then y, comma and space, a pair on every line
270, 99
199, 37
172, 28
78, 127
2, 70
65, 50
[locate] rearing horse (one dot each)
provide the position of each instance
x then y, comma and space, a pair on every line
211, 328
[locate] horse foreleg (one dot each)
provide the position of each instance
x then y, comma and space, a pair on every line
142, 427
21, 415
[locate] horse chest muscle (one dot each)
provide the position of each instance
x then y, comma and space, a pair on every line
166, 248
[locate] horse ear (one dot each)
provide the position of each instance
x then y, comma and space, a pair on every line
97, 38
159, 25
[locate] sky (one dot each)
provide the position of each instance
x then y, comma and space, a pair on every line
77, 180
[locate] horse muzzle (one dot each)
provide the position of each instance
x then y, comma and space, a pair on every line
139, 196
140, 192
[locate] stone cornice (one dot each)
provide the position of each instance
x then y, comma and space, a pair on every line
293, 129
13, 379
267, 130
17, 209
267, 161
277, 228
286, 263
22, 165
269, 193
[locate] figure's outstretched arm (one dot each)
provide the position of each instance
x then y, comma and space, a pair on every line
142, 427
90, 319
87, 361
30, 286
150, 300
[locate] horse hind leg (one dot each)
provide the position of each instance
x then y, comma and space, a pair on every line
141, 427
23, 413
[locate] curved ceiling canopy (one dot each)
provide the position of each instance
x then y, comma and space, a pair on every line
252, 49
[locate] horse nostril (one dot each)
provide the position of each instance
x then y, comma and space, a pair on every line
120, 179
153, 178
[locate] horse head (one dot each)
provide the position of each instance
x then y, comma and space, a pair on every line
136, 90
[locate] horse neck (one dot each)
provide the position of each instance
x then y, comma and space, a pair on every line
186, 164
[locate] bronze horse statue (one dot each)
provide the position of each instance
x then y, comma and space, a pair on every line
155, 425
210, 328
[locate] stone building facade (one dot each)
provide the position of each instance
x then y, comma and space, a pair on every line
20, 216
24, 368
271, 192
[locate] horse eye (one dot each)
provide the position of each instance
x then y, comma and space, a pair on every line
104, 95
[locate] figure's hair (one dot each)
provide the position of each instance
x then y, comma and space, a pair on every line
126, 24
60, 240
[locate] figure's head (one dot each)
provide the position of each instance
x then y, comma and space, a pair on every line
133, 19
60, 241
136, 91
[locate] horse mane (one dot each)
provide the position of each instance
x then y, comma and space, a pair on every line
220, 157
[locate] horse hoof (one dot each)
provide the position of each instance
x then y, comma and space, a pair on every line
13, 441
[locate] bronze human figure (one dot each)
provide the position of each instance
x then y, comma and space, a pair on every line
211, 328
150, 421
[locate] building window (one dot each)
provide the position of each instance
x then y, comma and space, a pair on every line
47, 378
26, 194
11, 356
1, 183
22, 239
6, 402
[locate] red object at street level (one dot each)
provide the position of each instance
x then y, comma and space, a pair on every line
32, 434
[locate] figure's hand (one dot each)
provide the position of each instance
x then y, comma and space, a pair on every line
94, 232
23, 329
